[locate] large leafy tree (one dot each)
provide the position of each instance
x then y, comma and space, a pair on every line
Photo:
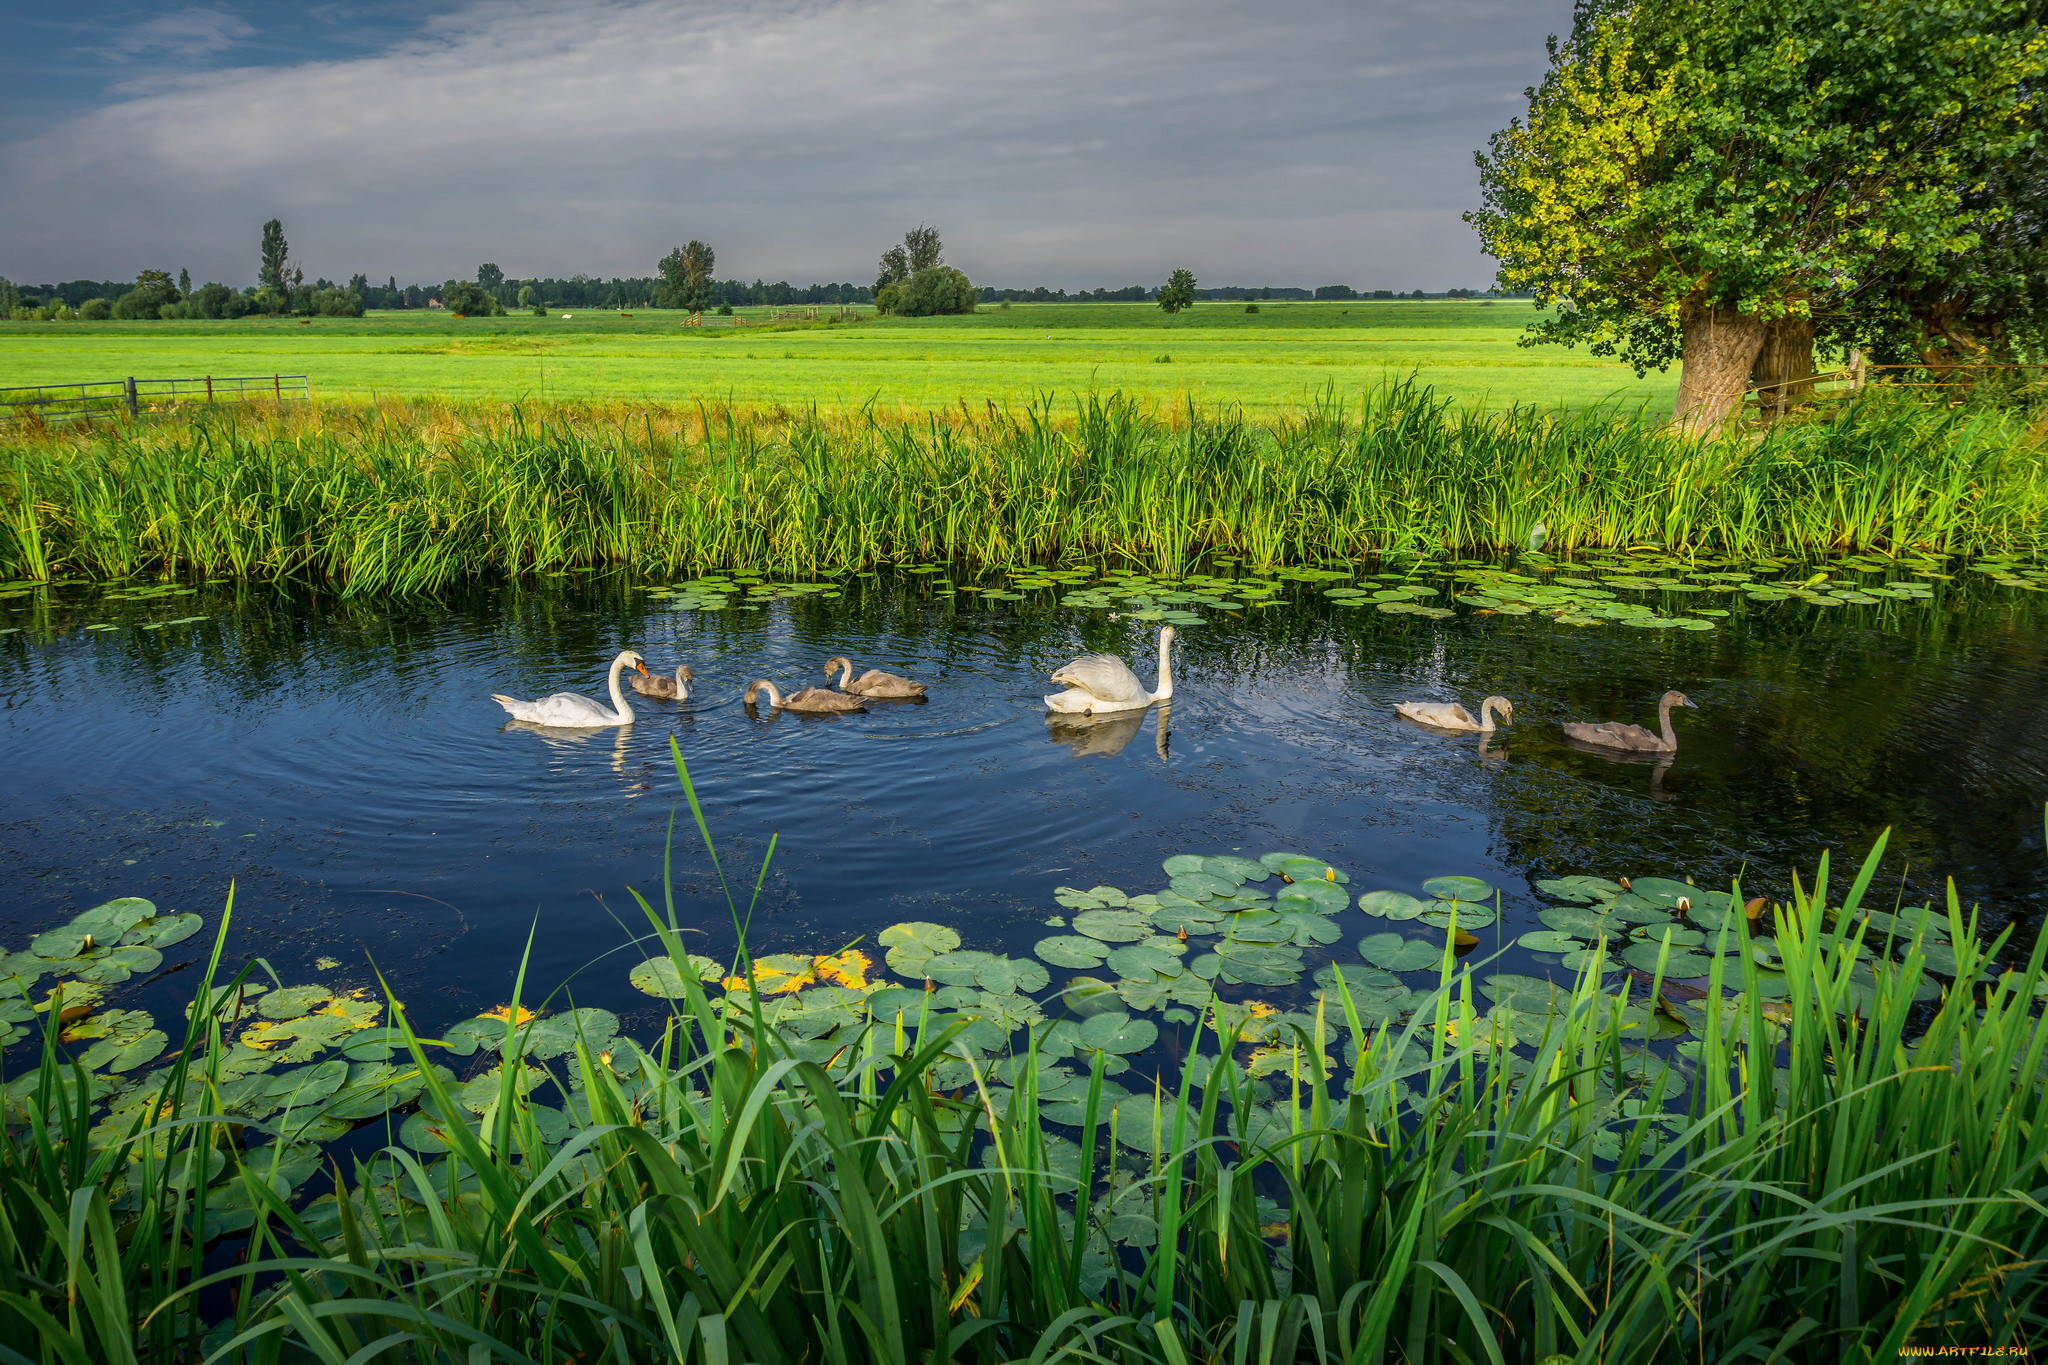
1179, 290
686, 277
913, 280
1694, 174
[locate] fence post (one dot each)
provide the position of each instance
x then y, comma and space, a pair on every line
131, 396
209, 390
277, 389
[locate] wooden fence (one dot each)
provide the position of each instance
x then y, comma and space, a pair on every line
133, 397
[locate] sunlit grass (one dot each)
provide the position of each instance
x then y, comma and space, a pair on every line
415, 496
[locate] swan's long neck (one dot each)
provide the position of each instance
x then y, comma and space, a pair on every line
1664, 720
845, 673
774, 697
1165, 688
1486, 713
618, 697
682, 686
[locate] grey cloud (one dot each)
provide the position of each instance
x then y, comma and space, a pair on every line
1064, 141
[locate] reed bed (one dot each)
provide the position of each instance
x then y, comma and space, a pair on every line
1846, 1173
415, 496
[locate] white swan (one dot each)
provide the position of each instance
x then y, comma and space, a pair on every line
573, 710
1102, 682
1448, 715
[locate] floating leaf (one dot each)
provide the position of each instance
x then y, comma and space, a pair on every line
1143, 963
1199, 886
162, 931
558, 1035
1527, 994
1469, 914
1180, 864
1306, 927
1085, 995
1549, 941
1327, 897
116, 966
1677, 935
1392, 904
657, 976
1582, 890
1678, 966
1397, 954
1589, 924
293, 1002
1236, 869
911, 943
1071, 950
1114, 926
1301, 869
1118, 1033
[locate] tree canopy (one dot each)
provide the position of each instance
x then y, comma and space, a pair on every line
1179, 291
274, 274
913, 281
686, 277
1693, 171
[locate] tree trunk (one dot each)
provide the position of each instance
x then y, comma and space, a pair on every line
1783, 373
1717, 347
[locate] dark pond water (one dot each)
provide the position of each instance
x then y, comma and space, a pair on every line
343, 766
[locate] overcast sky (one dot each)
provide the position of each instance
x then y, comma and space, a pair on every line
1070, 143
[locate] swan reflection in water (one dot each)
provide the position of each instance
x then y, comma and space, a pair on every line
1659, 763
1106, 734
566, 742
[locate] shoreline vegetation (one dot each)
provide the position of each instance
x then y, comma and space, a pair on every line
414, 496
1838, 1169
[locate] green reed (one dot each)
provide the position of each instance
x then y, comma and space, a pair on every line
1853, 1171
411, 497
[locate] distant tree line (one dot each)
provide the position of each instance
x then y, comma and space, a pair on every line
913, 280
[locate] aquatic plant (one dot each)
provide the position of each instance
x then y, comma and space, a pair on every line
412, 497
820, 1164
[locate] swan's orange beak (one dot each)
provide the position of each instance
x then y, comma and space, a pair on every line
642, 668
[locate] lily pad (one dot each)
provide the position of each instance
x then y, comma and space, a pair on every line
657, 976
1580, 890
1200, 886
1395, 953
1236, 869
911, 944
117, 965
1143, 963
1392, 905
1677, 935
293, 1002
1087, 996
557, 1035
1304, 927
1527, 994
1327, 897
1549, 941
162, 931
1459, 888
1469, 914
1679, 965
1250, 964
1118, 1033
1310, 870
1072, 950
1183, 863
1114, 926
1586, 924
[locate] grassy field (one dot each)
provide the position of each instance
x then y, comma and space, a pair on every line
1217, 353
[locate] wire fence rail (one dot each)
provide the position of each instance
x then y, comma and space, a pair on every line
135, 398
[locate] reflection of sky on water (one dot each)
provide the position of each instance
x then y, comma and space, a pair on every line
347, 768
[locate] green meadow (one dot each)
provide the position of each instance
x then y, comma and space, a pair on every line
1216, 353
